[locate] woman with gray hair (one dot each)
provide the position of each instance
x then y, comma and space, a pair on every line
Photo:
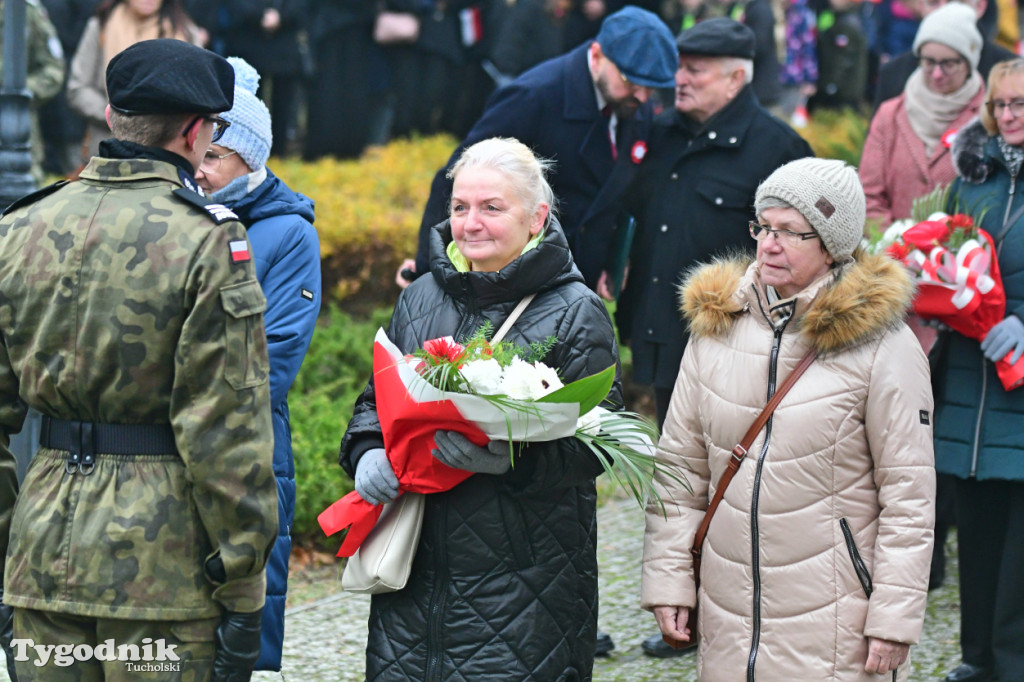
504, 581
816, 564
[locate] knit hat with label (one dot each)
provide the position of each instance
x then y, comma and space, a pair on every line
249, 134
828, 193
955, 26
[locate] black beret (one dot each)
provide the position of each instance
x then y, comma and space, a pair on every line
166, 76
718, 37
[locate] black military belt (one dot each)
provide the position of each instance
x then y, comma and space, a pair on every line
84, 439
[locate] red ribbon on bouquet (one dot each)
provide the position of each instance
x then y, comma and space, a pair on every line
408, 427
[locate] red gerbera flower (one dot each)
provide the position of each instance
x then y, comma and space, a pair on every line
897, 250
960, 220
444, 349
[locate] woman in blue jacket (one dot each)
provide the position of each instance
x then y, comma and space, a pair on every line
978, 436
286, 252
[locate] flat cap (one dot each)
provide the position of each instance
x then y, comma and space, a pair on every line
718, 37
641, 47
166, 76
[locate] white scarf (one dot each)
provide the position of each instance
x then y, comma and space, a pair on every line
931, 113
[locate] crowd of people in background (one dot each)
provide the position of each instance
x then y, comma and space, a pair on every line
699, 92
340, 75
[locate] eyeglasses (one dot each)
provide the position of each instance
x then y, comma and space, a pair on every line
785, 237
211, 160
948, 66
996, 107
220, 126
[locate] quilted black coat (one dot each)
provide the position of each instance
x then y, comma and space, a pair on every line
504, 583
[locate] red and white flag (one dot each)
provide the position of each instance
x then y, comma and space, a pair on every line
239, 251
472, 26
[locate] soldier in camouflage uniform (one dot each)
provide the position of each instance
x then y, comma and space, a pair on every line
46, 70
131, 318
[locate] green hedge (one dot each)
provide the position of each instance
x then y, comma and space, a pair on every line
333, 375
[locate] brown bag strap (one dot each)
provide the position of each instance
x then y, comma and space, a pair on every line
739, 453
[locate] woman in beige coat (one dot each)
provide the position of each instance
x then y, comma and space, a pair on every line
816, 564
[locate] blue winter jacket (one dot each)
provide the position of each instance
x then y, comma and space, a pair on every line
286, 252
977, 422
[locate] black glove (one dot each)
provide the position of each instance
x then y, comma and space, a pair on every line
7, 634
238, 646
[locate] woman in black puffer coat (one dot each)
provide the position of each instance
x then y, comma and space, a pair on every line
504, 583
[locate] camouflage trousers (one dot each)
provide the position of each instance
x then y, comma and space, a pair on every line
65, 648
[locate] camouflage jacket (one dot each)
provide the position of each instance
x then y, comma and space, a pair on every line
124, 303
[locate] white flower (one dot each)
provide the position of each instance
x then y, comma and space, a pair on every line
590, 423
939, 215
897, 229
521, 381
482, 376
548, 377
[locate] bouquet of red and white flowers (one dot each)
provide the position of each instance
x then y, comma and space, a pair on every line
487, 392
957, 275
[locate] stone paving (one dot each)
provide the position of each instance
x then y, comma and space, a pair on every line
325, 637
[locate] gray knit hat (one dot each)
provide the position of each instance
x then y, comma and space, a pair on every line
249, 134
828, 193
955, 26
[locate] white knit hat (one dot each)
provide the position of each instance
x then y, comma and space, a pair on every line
828, 193
249, 134
955, 26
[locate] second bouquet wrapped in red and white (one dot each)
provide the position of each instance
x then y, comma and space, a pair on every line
487, 392
957, 274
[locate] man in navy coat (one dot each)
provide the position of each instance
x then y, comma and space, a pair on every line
589, 111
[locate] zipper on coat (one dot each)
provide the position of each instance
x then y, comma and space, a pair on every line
984, 365
977, 422
755, 561
1009, 202
438, 597
863, 575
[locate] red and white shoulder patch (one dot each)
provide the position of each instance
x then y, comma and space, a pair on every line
239, 251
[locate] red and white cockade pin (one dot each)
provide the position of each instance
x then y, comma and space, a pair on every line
639, 151
948, 137
239, 251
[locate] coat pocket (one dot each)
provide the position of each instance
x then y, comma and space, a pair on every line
246, 364
722, 194
858, 563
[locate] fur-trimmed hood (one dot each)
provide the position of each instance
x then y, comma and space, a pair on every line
968, 152
849, 306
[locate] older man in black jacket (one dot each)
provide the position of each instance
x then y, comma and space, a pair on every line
694, 196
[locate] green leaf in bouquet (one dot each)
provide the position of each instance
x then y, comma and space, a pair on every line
624, 446
933, 202
588, 391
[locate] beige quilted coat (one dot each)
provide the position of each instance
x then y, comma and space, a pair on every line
848, 460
